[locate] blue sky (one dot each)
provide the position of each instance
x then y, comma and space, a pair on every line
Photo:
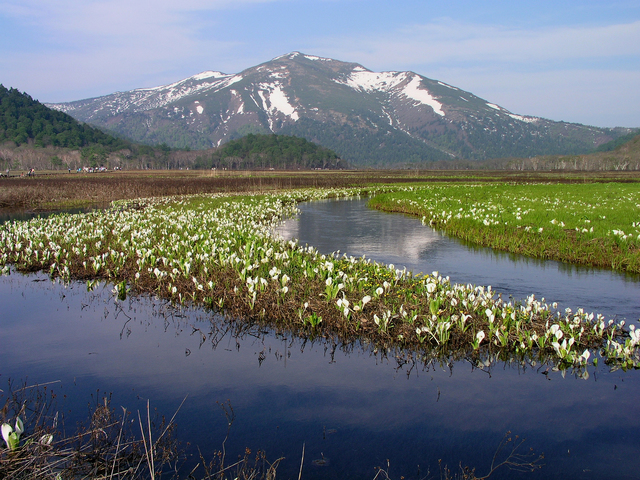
575, 61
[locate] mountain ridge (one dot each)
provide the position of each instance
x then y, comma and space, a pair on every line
369, 118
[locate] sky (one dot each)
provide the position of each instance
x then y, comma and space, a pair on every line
576, 61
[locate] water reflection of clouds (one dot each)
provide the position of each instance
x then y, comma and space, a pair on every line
387, 241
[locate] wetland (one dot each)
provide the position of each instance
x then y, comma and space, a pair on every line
399, 381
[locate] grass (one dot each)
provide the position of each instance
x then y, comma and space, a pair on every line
590, 224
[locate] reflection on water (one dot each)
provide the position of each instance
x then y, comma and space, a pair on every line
352, 228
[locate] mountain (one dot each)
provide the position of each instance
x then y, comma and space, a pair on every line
368, 118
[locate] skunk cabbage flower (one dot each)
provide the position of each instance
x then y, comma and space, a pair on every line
11, 436
6, 432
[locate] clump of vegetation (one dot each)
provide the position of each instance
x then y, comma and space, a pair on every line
107, 446
256, 151
110, 444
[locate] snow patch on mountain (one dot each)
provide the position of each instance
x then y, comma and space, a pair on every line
143, 99
448, 86
209, 74
523, 118
413, 91
313, 57
274, 101
364, 80
392, 82
513, 115
279, 101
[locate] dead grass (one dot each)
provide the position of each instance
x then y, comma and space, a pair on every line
55, 190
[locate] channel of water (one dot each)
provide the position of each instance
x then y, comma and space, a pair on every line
352, 407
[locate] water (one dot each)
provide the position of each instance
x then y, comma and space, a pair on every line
352, 228
23, 215
348, 405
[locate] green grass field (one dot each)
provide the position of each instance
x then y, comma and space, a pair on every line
595, 224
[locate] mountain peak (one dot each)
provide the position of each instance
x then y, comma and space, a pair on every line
294, 55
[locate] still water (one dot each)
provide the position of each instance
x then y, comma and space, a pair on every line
352, 228
349, 406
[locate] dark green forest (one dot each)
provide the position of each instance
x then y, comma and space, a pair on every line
24, 120
614, 144
256, 151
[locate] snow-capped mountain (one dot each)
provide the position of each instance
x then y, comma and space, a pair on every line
369, 118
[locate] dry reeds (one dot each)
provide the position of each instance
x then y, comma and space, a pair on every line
56, 191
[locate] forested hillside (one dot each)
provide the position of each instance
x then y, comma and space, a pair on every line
256, 151
24, 120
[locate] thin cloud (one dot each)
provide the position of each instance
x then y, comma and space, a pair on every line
454, 42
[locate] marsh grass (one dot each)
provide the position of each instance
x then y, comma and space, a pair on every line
106, 446
113, 445
595, 224
77, 190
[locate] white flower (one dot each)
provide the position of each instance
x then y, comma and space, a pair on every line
11, 436
19, 426
6, 431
